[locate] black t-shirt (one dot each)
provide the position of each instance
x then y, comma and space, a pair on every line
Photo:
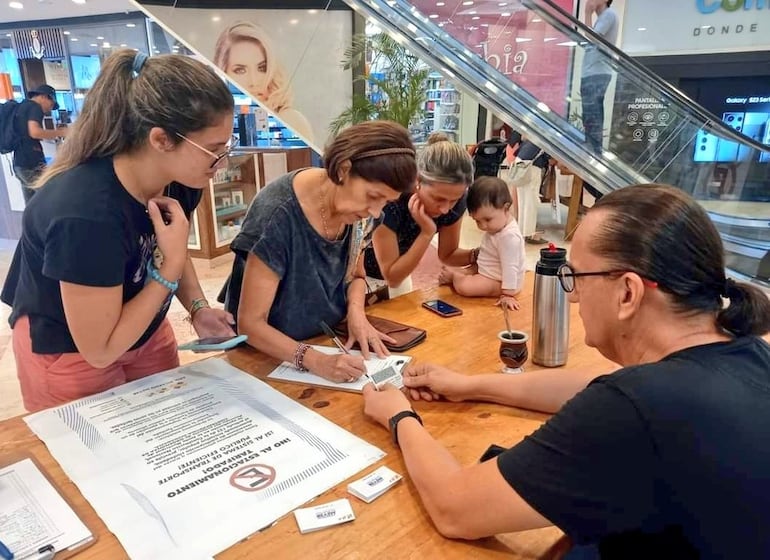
82, 227
397, 217
663, 460
529, 151
29, 153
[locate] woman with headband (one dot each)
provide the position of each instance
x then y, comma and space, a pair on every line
104, 241
297, 255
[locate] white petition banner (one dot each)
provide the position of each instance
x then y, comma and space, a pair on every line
185, 463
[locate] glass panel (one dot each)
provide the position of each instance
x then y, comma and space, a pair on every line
538, 67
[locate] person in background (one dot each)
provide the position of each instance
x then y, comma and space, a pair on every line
528, 195
597, 72
297, 257
28, 158
444, 171
500, 267
246, 55
104, 241
664, 458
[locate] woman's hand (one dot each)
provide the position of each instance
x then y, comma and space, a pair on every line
384, 404
361, 330
417, 210
509, 301
430, 382
340, 368
171, 232
209, 322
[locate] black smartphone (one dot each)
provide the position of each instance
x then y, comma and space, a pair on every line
442, 308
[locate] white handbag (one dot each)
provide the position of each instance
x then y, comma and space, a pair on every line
523, 174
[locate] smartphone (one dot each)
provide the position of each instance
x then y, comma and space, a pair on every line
442, 308
214, 343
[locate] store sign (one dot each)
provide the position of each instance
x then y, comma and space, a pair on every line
39, 43
711, 6
661, 27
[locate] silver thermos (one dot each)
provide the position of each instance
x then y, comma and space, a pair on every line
550, 310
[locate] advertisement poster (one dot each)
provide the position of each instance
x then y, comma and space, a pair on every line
185, 463
288, 61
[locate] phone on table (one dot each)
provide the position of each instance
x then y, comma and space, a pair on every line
442, 308
213, 343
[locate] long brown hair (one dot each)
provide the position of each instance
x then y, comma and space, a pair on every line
173, 92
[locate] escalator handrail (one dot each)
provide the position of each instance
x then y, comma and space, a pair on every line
709, 119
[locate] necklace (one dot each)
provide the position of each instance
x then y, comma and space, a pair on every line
323, 218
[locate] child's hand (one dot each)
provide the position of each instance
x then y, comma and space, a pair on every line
510, 302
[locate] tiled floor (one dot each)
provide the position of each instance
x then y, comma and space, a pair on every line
211, 280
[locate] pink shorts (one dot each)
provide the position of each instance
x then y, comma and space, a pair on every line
52, 379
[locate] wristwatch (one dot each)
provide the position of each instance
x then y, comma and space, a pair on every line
393, 422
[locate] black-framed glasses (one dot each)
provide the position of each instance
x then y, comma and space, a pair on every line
567, 275
218, 158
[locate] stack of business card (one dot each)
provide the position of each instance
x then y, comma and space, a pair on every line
374, 484
324, 515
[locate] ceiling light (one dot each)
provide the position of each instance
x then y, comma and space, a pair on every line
94, 45
439, 3
475, 17
537, 20
130, 25
641, 29
100, 38
433, 16
79, 1
501, 4
468, 3
312, 11
215, 18
123, 45
65, 32
106, 45
293, 21
74, 39
16, 5
505, 14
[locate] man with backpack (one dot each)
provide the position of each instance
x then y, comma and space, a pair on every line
26, 120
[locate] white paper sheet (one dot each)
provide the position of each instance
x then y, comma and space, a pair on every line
185, 463
287, 372
33, 514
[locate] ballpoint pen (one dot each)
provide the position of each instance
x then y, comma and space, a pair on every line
330, 333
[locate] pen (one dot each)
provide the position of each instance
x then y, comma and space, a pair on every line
330, 333
5, 553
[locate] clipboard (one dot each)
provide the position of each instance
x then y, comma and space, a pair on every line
62, 551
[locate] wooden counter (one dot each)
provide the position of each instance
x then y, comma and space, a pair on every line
394, 525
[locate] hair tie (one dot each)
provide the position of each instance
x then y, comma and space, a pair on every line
383, 152
139, 59
729, 288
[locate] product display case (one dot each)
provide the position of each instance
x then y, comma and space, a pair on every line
442, 108
221, 211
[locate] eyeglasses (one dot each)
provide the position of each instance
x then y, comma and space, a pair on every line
217, 157
567, 275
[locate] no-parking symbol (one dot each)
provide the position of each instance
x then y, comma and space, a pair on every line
251, 478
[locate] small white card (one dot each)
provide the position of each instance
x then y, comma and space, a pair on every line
324, 515
388, 375
374, 484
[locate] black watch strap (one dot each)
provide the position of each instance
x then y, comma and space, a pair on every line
393, 422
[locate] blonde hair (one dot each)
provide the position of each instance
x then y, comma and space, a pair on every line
437, 137
173, 92
279, 97
445, 162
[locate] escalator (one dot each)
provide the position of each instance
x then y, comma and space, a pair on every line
523, 60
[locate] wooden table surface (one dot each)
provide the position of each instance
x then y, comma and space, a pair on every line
395, 525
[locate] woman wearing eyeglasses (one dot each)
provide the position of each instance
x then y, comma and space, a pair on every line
104, 241
668, 456
445, 170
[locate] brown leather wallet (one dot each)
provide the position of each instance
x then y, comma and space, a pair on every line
404, 335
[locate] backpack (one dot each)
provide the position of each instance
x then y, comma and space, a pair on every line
9, 138
488, 156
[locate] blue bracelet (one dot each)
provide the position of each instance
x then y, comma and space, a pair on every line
155, 275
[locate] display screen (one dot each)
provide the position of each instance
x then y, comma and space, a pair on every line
441, 306
85, 69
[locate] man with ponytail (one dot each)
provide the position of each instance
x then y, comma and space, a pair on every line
668, 456
104, 241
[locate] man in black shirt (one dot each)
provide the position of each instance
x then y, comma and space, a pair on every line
28, 158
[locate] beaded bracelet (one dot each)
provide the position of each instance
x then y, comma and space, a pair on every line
155, 275
197, 305
299, 356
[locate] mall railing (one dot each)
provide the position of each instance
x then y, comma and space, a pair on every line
528, 63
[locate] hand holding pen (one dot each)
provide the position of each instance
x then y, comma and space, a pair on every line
345, 362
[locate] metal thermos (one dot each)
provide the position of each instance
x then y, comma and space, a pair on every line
550, 310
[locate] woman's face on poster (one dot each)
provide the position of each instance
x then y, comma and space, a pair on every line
248, 66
